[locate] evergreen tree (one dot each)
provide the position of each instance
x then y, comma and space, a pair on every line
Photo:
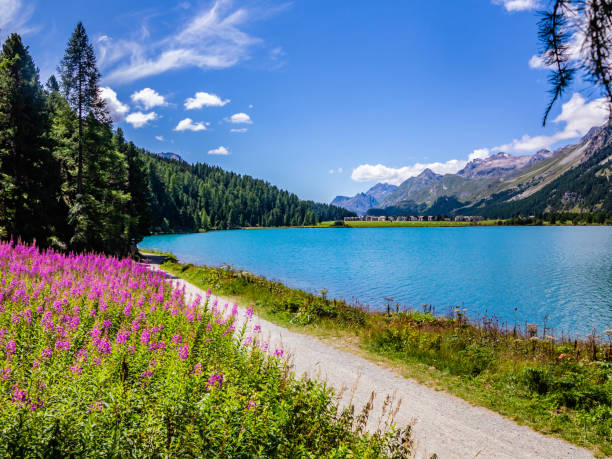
80, 77
139, 205
29, 186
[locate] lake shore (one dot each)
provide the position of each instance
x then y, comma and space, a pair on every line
558, 388
442, 424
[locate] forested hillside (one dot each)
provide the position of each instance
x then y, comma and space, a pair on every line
196, 197
69, 181
587, 186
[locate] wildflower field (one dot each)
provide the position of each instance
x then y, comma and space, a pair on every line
103, 357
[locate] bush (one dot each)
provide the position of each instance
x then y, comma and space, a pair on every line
102, 357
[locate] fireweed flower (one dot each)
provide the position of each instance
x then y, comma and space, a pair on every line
145, 337
95, 407
257, 328
11, 346
75, 369
251, 406
215, 380
122, 337
197, 369
177, 339
184, 352
278, 353
5, 373
249, 313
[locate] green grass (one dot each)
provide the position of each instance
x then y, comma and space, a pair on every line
395, 224
564, 389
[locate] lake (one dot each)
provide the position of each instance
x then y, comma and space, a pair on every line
561, 276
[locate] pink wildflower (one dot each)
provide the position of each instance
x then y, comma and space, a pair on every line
184, 352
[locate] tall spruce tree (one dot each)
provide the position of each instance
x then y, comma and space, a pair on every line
29, 175
139, 205
79, 83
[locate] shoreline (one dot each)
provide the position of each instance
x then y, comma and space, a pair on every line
496, 357
358, 225
442, 423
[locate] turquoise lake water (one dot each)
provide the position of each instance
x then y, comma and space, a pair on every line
561, 275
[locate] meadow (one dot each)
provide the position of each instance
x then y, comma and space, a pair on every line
556, 384
102, 357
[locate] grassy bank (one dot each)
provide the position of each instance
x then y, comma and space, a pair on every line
445, 224
556, 386
395, 224
101, 357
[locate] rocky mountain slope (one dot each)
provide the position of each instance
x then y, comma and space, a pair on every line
502, 182
362, 202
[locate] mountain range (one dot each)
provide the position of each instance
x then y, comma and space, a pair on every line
362, 202
573, 178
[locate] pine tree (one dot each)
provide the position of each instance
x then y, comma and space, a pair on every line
139, 206
80, 77
29, 186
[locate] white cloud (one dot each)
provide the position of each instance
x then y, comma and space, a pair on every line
117, 109
336, 171
204, 99
210, 39
219, 151
537, 62
240, 118
395, 176
251, 106
518, 5
160, 138
577, 115
479, 153
188, 125
239, 130
139, 119
148, 98
13, 16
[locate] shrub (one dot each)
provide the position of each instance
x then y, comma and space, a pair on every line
102, 357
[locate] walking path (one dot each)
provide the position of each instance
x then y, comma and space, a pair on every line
442, 423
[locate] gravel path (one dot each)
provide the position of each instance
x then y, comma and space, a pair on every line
442, 424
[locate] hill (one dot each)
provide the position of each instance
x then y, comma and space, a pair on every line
186, 198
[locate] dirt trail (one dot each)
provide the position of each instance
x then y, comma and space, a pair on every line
443, 424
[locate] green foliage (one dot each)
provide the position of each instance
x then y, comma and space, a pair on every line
286, 304
140, 370
188, 198
29, 185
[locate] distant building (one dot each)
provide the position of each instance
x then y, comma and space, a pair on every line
431, 218
468, 218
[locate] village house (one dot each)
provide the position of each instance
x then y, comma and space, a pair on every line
468, 218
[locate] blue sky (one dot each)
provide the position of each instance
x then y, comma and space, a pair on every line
317, 97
